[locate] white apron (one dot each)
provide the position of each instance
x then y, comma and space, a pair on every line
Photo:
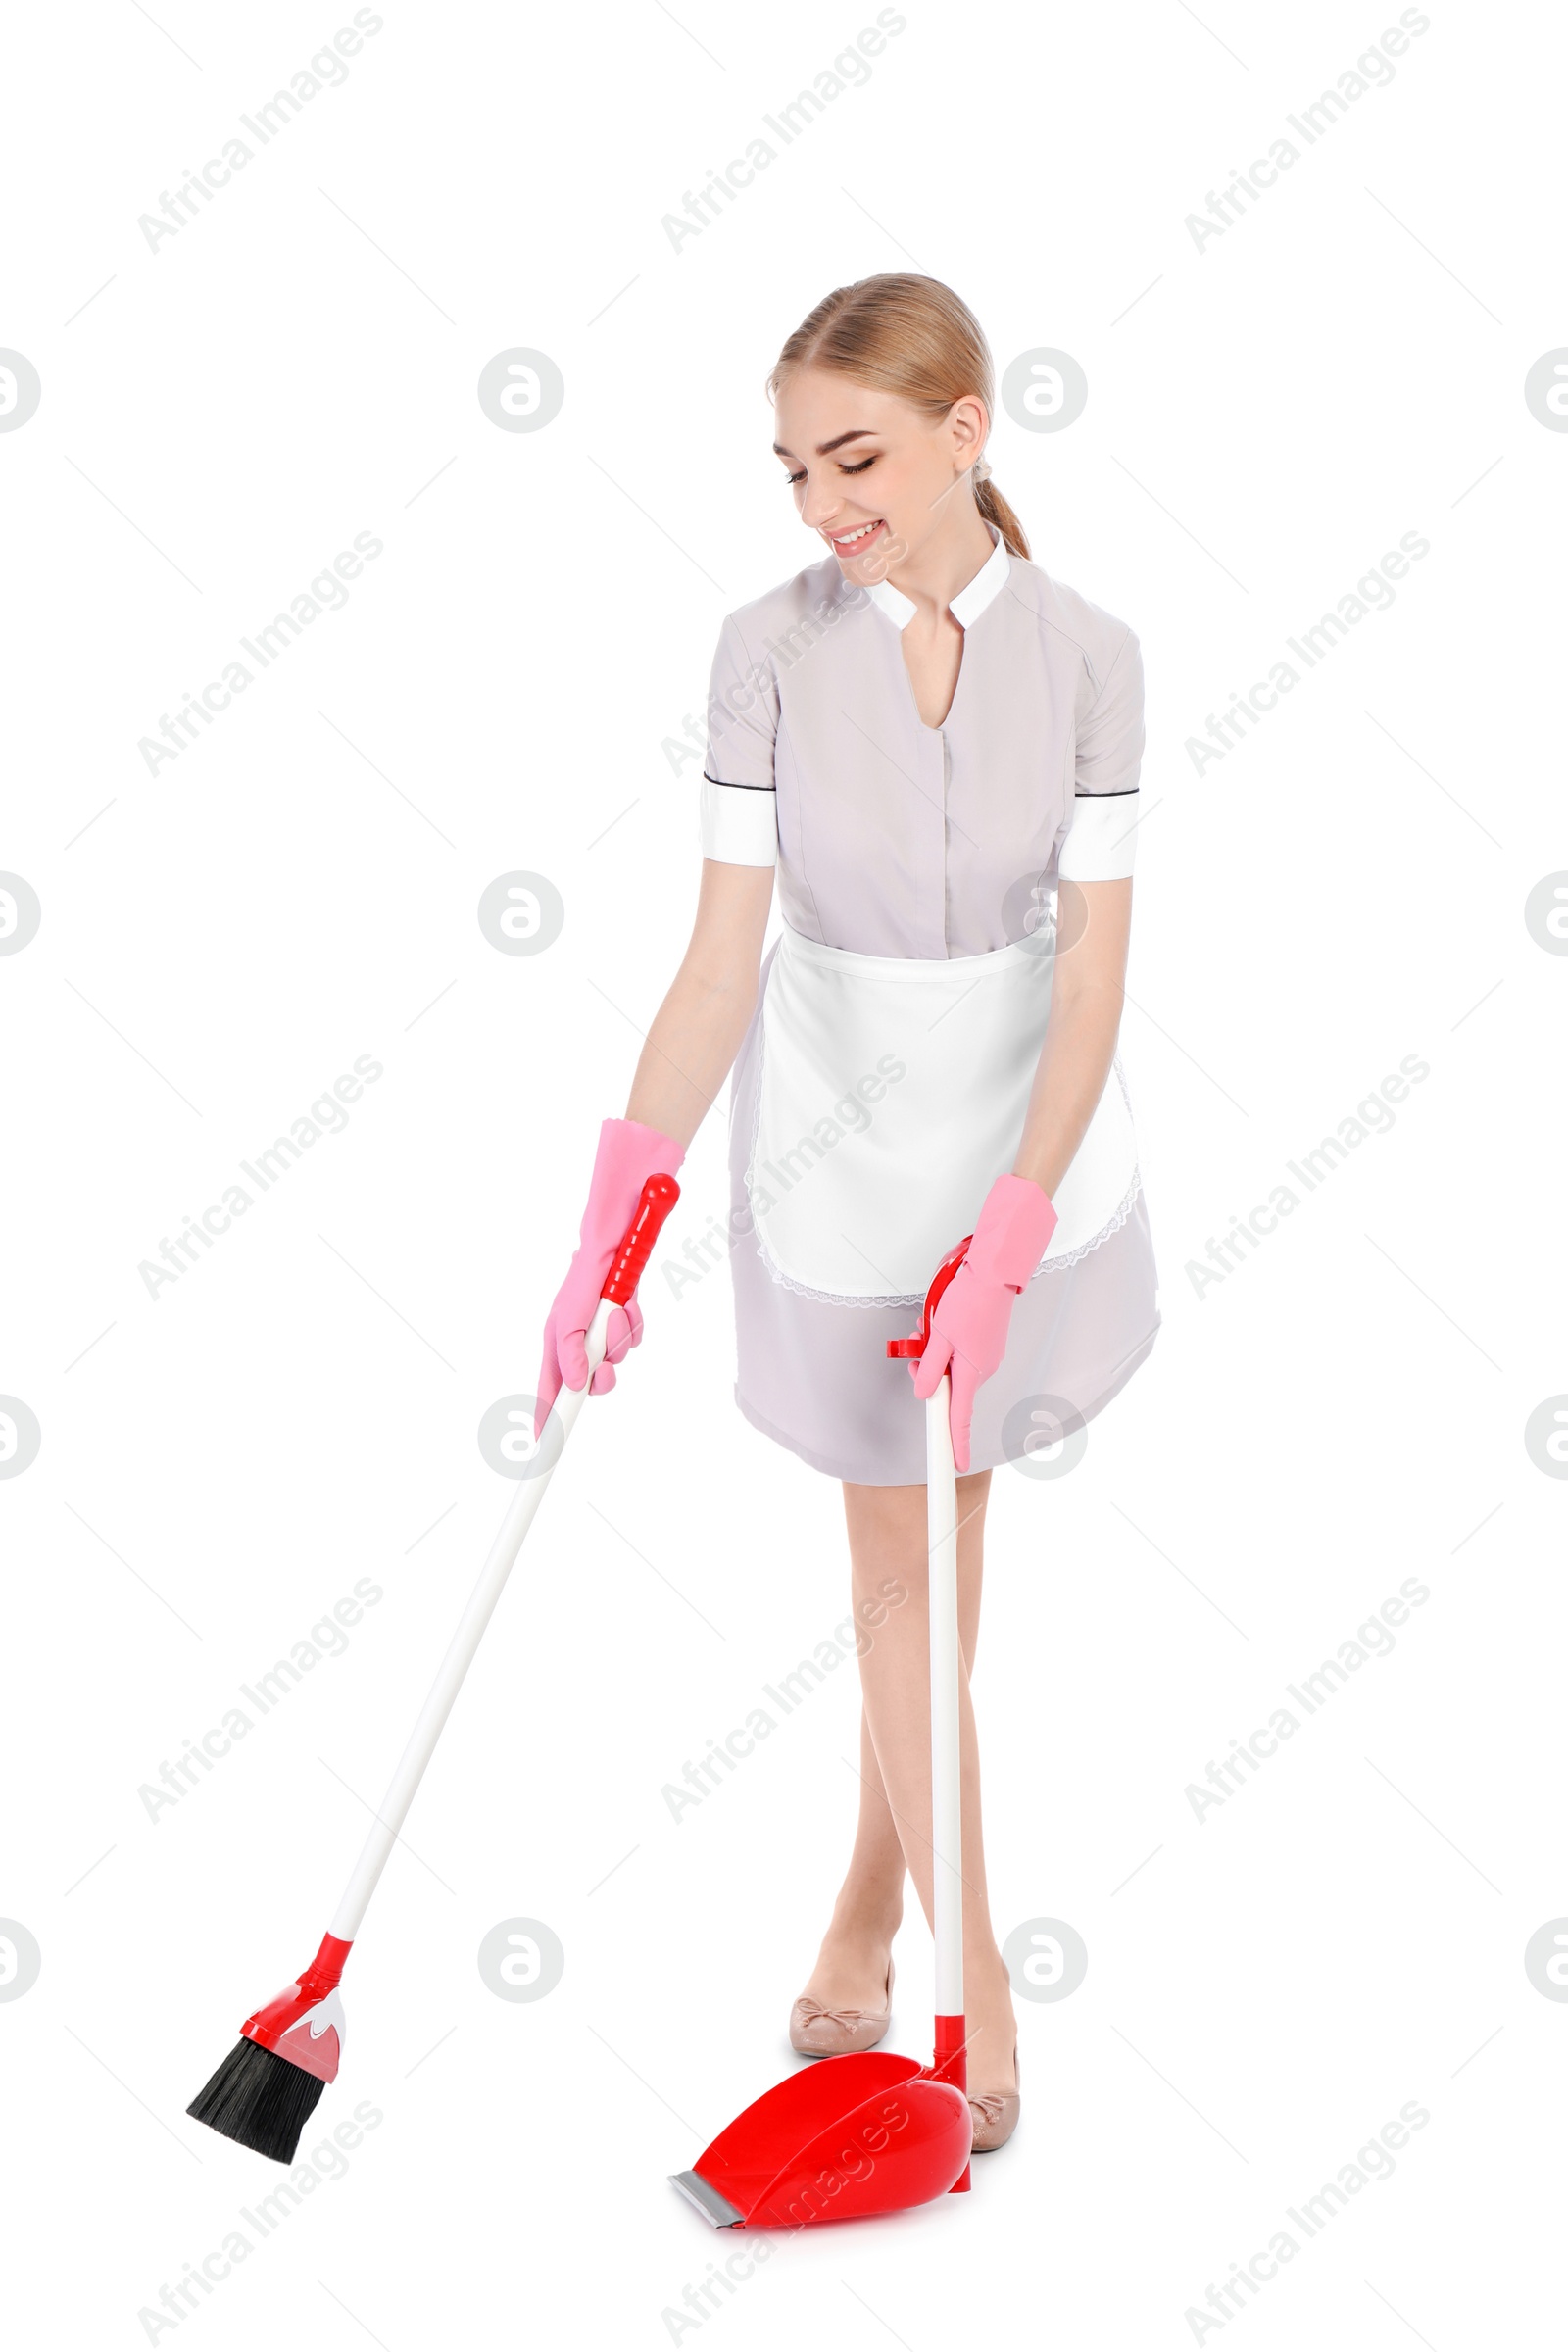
890, 1095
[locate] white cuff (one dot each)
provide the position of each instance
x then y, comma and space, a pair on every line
739, 823
1101, 839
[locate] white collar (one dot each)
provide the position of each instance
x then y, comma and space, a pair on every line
969, 603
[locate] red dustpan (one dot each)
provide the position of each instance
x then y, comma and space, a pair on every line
875, 2133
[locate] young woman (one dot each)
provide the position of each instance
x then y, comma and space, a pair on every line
935, 749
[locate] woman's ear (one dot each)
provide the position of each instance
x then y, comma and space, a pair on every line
969, 425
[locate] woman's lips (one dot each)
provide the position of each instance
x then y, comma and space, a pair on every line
856, 547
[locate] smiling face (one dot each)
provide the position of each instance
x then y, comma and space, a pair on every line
872, 475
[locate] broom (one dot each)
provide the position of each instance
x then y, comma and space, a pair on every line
266, 2089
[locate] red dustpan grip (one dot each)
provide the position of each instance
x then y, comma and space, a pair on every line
915, 1344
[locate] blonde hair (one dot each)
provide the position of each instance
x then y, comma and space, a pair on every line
911, 336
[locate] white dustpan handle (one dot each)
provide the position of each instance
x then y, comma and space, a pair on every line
947, 1814
459, 1656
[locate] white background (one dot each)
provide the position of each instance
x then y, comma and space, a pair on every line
218, 1465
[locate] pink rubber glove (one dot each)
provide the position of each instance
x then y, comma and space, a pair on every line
628, 1154
970, 1324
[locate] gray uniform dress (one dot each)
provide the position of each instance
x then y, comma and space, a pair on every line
894, 839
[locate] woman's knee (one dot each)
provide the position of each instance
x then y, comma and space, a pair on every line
887, 1531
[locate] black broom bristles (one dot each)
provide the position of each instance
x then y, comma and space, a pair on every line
262, 2100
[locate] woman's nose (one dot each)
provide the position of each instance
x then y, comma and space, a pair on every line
819, 506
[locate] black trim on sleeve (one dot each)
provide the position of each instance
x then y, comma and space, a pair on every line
1124, 792
720, 780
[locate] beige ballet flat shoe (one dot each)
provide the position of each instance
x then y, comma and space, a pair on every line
818, 2032
995, 2116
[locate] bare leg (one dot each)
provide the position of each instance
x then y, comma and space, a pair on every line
887, 1538
852, 1967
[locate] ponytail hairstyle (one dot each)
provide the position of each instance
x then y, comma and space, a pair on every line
911, 336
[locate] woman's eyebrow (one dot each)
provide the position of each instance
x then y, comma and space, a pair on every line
825, 449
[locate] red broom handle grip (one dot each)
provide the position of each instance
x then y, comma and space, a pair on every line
658, 1197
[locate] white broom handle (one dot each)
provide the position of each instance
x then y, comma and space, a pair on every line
947, 1811
459, 1656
